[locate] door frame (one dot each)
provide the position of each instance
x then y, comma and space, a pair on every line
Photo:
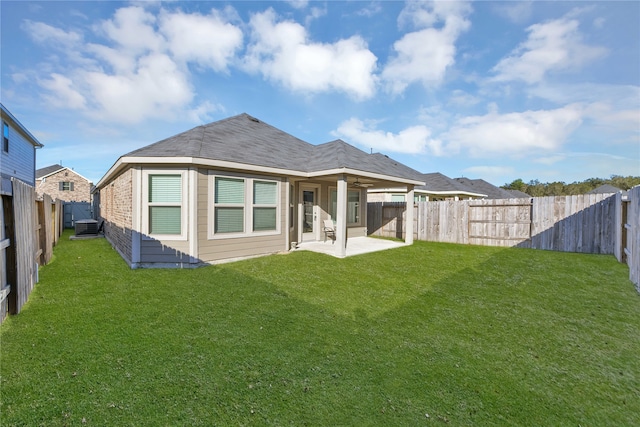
315, 235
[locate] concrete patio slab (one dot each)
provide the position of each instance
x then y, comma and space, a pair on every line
355, 246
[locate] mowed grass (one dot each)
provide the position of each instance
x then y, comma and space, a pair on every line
431, 334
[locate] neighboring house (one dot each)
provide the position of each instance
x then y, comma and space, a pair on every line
606, 189
437, 187
482, 186
238, 188
17, 152
517, 194
63, 183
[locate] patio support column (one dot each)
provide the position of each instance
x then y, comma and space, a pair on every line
341, 217
408, 238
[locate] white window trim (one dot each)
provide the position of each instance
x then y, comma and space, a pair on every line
184, 220
349, 224
247, 206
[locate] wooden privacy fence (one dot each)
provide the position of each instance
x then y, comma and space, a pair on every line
584, 223
30, 228
631, 236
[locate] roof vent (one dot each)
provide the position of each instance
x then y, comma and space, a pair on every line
253, 119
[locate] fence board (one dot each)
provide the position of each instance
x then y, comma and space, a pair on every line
25, 243
583, 223
632, 228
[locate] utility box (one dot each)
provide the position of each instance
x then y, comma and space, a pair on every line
86, 227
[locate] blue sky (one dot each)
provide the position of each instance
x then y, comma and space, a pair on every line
492, 90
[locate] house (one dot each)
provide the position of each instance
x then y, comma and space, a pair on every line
482, 186
17, 153
238, 188
606, 189
517, 194
63, 183
437, 187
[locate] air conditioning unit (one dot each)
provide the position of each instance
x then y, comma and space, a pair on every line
86, 227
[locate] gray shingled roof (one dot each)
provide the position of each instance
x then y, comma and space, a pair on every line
247, 140
482, 186
48, 170
605, 189
438, 182
517, 194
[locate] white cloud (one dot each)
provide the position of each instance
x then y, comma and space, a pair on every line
461, 98
156, 89
282, 52
206, 40
298, 4
133, 28
46, 34
513, 134
551, 46
412, 140
516, 12
65, 95
371, 9
141, 68
425, 55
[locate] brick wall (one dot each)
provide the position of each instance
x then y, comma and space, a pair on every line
51, 186
116, 206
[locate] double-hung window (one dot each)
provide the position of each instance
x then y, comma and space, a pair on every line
243, 206
353, 206
229, 205
265, 205
165, 204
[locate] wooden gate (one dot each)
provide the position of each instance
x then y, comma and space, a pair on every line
504, 222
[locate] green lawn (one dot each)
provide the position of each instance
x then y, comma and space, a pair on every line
430, 334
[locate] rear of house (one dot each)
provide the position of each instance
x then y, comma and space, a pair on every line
234, 189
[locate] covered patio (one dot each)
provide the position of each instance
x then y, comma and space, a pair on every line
355, 246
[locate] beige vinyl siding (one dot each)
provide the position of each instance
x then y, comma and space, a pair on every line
213, 250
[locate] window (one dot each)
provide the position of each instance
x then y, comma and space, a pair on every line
243, 206
265, 199
228, 205
353, 206
66, 186
398, 198
165, 204
420, 198
5, 137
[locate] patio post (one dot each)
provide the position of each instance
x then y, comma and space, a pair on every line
408, 238
341, 217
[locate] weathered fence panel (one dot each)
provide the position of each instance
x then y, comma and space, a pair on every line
632, 228
24, 214
5, 242
500, 222
29, 229
386, 219
584, 223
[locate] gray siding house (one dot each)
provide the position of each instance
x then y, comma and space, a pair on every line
238, 188
17, 152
